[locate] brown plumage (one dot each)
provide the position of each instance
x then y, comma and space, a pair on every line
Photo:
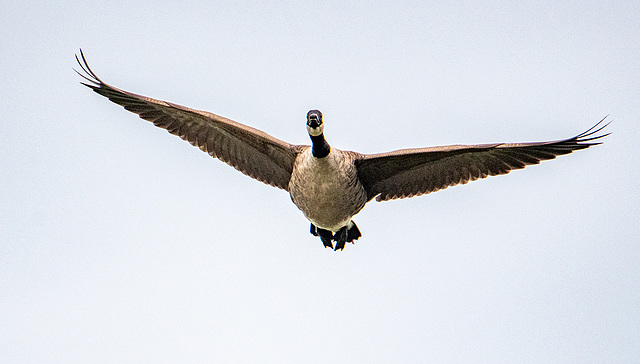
414, 172
344, 181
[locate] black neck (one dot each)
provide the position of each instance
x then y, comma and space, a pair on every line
319, 146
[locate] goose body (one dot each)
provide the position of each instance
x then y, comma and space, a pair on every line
327, 190
329, 185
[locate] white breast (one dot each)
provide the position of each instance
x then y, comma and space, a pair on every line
327, 190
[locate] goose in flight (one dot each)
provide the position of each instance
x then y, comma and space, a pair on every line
327, 184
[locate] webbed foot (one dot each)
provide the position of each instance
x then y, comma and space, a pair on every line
347, 234
325, 235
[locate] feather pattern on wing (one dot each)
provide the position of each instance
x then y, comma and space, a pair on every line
413, 172
249, 150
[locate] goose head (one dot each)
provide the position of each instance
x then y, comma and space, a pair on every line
315, 127
319, 146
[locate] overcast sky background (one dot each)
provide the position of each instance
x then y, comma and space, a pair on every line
121, 243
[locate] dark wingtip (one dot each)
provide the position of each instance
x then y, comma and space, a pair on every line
592, 133
87, 73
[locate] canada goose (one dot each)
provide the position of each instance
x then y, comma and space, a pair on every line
329, 185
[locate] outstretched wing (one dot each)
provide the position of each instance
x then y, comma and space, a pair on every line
249, 150
414, 172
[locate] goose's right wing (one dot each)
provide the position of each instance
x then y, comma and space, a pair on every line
249, 150
414, 172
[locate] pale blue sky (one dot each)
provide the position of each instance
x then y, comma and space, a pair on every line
121, 243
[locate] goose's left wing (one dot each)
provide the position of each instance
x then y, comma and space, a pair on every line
414, 172
249, 150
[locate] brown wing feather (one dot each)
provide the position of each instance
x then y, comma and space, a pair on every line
414, 172
249, 150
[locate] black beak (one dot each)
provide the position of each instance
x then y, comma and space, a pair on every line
313, 121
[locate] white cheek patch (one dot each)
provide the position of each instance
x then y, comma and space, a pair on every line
315, 131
